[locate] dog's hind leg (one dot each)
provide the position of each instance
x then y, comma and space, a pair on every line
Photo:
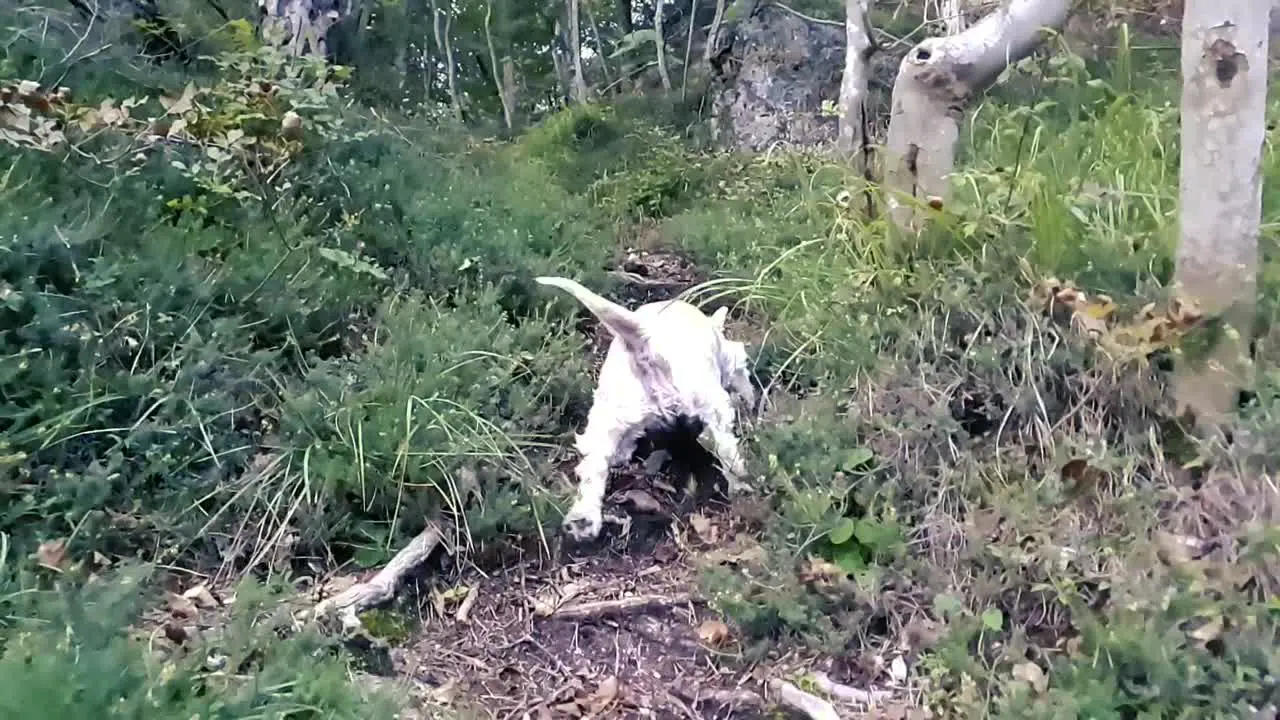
605, 443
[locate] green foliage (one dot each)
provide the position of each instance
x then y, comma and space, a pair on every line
65, 655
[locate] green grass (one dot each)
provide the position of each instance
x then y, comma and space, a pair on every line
195, 371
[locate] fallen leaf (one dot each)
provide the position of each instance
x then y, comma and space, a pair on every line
53, 554
898, 669
176, 633
714, 633
641, 501
181, 606
1211, 630
704, 528
201, 596
606, 693
1031, 674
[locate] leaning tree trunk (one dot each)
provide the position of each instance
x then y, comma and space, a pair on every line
299, 26
851, 135
936, 81
575, 52
1224, 101
660, 43
498, 83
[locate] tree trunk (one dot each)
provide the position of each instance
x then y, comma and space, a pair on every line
660, 43
443, 42
509, 86
714, 32
595, 34
851, 138
936, 81
563, 73
575, 52
500, 85
624, 17
688, 50
298, 26
1224, 100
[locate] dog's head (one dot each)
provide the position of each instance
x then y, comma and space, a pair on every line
734, 362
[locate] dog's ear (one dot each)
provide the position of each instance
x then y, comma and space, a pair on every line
718, 318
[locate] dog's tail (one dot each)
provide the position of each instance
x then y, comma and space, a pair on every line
620, 321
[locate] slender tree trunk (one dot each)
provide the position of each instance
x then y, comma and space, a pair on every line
624, 17
688, 50
510, 87
595, 34
713, 34
852, 133
443, 42
575, 52
661, 44
1224, 102
936, 82
558, 62
498, 84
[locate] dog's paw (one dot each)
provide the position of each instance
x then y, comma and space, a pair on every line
583, 524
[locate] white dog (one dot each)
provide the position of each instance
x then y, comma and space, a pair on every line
668, 360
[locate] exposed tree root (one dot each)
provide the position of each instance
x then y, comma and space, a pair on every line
844, 693
382, 586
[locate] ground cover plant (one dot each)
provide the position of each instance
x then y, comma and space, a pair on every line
261, 326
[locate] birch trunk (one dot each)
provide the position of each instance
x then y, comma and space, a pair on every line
1224, 99
660, 42
936, 81
575, 52
595, 35
498, 84
451, 73
688, 50
714, 33
852, 133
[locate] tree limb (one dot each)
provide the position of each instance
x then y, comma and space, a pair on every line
936, 81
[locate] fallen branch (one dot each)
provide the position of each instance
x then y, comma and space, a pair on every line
792, 697
381, 587
729, 699
622, 606
845, 693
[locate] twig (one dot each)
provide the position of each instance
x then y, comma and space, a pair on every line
730, 699
381, 587
810, 705
622, 606
468, 602
845, 693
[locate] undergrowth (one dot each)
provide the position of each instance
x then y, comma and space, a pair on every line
240, 356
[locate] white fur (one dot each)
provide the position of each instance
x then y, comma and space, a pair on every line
667, 359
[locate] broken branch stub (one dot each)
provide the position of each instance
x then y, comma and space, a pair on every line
936, 81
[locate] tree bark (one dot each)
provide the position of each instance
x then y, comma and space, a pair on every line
575, 52
936, 81
660, 43
1224, 100
851, 137
498, 84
